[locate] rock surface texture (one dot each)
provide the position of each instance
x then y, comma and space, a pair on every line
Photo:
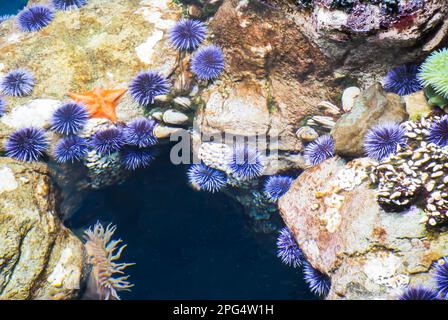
369, 254
39, 257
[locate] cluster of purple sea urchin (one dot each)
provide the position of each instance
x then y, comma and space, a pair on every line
68, 4
318, 282
188, 34
27, 144
34, 18
245, 162
140, 132
207, 63
17, 83
319, 150
70, 149
276, 186
70, 118
288, 250
203, 177
403, 80
383, 140
146, 86
438, 132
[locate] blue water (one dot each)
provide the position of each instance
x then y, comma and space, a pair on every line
11, 6
188, 244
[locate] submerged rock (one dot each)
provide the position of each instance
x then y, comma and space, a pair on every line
373, 107
343, 232
39, 257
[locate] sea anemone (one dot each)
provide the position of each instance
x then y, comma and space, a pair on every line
108, 141
207, 63
441, 277
188, 34
28, 144
438, 132
318, 282
2, 106
70, 118
245, 162
319, 150
382, 140
68, 4
203, 177
147, 86
140, 132
418, 293
288, 250
70, 149
17, 83
276, 186
403, 80
34, 18
434, 70
133, 157
102, 255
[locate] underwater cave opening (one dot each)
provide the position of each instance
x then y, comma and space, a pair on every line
188, 244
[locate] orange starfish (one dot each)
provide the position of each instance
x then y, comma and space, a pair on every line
99, 102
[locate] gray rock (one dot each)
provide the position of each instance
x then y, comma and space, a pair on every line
174, 117
373, 107
332, 211
39, 257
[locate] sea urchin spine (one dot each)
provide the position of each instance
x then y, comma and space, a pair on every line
108, 141
403, 80
441, 277
276, 186
319, 150
318, 282
207, 63
147, 86
69, 118
34, 18
188, 34
140, 132
17, 83
68, 4
203, 177
27, 144
102, 254
245, 162
288, 250
70, 149
383, 140
418, 293
134, 158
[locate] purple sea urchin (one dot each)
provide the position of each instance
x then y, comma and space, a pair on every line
140, 132
17, 83
2, 106
68, 4
319, 150
276, 186
34, 18
245, 162
418, 293
441, 277
403, 80
203, 177
70, 149
28, 144
438, 132
102, 255
288, 250
133, 157
188, 34
108, 141
382, 140
70, 118
318, 282
207, 63
147, 86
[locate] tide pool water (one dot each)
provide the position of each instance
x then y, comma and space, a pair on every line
11, 6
